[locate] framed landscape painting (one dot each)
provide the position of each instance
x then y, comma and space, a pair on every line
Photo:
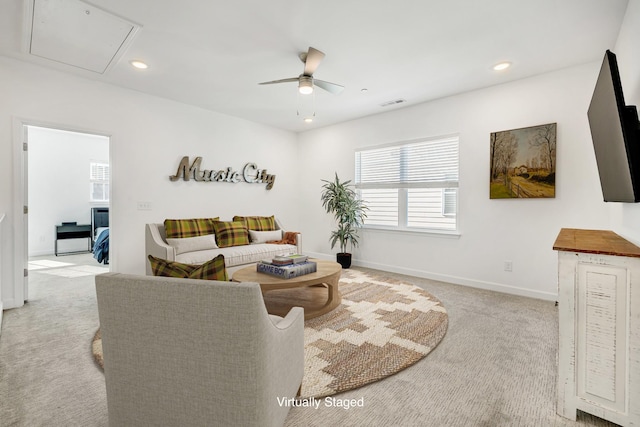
523, 163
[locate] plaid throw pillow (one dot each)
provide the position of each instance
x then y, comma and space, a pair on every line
210, 270
258, 223
181, 228
232, 233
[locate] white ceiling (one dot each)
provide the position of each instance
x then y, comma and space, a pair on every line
213, 54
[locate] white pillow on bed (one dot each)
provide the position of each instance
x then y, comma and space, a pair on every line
264, 236
192, 244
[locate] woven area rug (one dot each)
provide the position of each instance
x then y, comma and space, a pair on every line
381, 327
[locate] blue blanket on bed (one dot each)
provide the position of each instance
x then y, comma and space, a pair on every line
101, 247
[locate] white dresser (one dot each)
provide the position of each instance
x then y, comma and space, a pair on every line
599, 321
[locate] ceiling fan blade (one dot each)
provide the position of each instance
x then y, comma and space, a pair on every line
292, 79
329, 87
314, 56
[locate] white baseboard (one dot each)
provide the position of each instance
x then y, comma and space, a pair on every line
40, 253
480, 284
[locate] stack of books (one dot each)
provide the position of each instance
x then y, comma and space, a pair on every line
288, 266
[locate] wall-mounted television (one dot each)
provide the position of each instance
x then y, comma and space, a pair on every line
615, 131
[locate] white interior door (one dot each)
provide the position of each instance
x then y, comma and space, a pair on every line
20, 223
25, 218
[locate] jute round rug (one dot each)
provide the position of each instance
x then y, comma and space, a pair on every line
382, 326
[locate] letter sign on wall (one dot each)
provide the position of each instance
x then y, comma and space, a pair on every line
250, 173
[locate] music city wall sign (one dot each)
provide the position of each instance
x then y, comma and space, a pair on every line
250, 173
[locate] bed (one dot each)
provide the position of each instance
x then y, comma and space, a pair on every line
100, 234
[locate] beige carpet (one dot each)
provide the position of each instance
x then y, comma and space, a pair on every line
496, 366
382, 327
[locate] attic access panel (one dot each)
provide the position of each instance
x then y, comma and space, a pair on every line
78, 34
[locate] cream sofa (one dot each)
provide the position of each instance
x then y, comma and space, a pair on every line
235, 257
187, 352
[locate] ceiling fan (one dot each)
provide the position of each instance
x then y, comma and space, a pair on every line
306, 81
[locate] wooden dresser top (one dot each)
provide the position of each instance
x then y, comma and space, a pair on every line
603, 242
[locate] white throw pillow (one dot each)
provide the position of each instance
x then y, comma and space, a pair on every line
192, 244
264, 236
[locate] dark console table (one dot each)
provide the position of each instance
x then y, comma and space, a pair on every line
73, 231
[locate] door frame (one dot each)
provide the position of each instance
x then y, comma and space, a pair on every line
20, 199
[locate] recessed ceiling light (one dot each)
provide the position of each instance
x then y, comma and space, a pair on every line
502, 66
139, 64
364, 90
308, 119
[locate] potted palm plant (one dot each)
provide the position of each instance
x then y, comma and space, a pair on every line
339, 199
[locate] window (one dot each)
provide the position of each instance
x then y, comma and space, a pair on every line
99, 182
410, 185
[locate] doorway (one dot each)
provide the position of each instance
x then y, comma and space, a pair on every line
66, 178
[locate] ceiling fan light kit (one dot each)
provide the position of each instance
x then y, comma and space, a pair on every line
305, 84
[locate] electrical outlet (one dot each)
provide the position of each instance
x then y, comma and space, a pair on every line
508, 266
144, 206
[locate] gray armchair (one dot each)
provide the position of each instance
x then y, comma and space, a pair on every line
186, 352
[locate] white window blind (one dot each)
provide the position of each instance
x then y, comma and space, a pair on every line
99, 182
411, 184
99, 172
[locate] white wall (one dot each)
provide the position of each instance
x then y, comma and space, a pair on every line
492, 231
59, 185
625, 217
149, 136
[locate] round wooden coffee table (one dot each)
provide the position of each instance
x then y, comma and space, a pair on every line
307, 291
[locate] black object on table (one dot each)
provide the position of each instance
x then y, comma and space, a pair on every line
73, 231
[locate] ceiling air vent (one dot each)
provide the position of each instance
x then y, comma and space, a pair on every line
394, 102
